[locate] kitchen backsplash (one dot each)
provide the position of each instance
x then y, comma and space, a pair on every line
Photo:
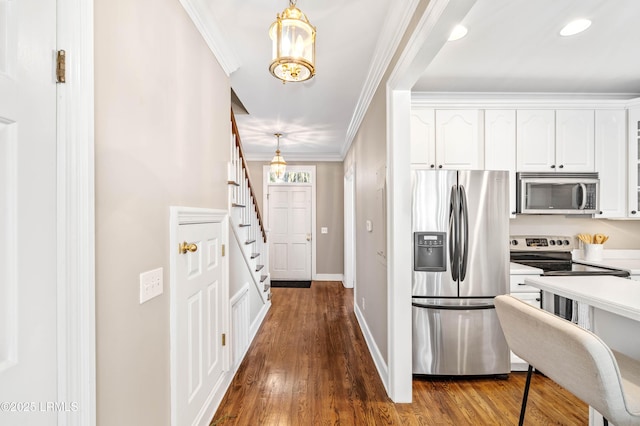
622, 234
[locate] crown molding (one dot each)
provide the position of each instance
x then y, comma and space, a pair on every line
388, 41
209, 29
497, 100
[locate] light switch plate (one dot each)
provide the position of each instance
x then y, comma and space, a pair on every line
150, 285
324, 230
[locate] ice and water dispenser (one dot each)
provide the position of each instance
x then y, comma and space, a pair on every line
429, 251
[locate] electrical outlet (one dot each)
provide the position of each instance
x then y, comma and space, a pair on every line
324, 230
150, 284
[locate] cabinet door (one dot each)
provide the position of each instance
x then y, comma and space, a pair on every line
458, 142
423, 135
535, 135
575, 141
500, 147
633, 169
610, 157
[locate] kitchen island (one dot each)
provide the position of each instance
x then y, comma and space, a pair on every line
615, 310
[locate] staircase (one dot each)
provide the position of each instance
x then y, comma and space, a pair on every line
245, 219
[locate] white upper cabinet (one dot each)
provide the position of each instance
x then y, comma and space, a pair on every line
458, 141
423, 136
575, 141
446, 139
561, 141
610, 157
633, 171
500, 147
536, 145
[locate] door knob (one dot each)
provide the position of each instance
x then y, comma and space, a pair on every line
308, 237
185, 247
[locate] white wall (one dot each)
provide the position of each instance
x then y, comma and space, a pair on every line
162, 126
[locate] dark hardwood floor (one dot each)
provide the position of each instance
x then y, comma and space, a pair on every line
309, 365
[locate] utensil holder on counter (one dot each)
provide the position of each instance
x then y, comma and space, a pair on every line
593, 251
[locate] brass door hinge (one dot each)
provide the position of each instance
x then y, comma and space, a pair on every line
223, 250
224, 339
61, 66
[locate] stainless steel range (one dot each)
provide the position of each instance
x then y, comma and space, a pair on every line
552, 254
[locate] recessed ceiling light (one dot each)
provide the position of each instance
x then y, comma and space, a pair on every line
458, 32
575, 27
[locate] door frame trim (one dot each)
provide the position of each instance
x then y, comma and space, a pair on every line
76, 336
265, 203
179, 215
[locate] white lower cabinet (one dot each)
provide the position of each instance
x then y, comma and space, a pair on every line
530, 295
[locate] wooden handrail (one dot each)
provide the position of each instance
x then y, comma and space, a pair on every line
234, 129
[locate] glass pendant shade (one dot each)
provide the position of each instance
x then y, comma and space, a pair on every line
294, 46
278, 165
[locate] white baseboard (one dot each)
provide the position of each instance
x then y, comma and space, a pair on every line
378, 360
328, 277
255, 325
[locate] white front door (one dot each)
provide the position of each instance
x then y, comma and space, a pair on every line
198, 322
28, 244
290, 232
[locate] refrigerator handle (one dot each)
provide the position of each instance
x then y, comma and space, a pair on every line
464, 235
453, 234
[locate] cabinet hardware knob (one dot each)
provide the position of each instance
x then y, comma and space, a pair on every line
513, 212
433, 165
185, 247
440, 166
561, 166
600, 212
633, 212
553, 166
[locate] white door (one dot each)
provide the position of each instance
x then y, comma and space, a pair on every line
289, 232
349, 230
199, 320
28, 245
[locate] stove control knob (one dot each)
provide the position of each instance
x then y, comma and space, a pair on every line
552, 242
514, 242
566, 242
559, 242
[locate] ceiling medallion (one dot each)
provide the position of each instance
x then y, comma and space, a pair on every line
294, 45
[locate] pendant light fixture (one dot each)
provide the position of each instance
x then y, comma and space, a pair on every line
278, 165
294, 45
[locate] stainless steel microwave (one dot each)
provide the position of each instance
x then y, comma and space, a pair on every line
557, 193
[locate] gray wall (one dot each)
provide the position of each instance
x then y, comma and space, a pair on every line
161, 138
329, 211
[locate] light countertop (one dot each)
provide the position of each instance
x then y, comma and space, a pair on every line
627, 260
518, 269
613, 294
630, 265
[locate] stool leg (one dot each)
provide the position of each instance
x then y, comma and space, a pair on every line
526, 395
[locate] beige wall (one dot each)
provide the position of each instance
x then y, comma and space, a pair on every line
623, 234
329, 211
368, 156
161, 128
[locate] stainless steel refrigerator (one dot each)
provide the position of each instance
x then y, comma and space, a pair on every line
460, 229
